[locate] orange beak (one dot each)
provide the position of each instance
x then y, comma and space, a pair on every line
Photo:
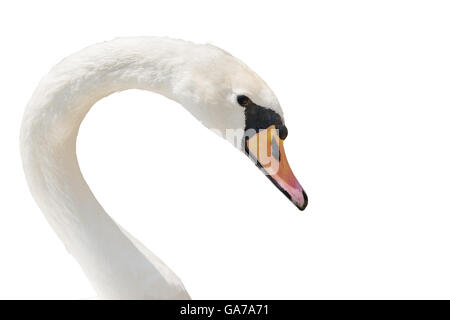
266, 149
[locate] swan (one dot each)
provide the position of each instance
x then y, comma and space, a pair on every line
215, 87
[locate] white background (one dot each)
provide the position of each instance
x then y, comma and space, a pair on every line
365, 90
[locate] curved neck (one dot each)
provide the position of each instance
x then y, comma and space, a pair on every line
114, 263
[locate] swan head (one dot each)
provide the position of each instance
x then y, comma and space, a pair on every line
234, 102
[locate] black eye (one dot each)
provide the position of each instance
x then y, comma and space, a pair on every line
243, 101
283, 132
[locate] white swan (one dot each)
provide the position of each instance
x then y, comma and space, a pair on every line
218, 89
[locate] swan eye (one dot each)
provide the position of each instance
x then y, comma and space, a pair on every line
243, 101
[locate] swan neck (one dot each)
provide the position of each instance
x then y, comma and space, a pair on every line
113, 263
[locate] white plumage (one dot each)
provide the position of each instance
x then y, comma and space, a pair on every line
202, 78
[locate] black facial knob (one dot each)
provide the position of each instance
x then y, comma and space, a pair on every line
283, 132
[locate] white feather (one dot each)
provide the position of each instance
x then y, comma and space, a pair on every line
202, 78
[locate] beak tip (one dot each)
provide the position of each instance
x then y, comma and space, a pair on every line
305, 202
